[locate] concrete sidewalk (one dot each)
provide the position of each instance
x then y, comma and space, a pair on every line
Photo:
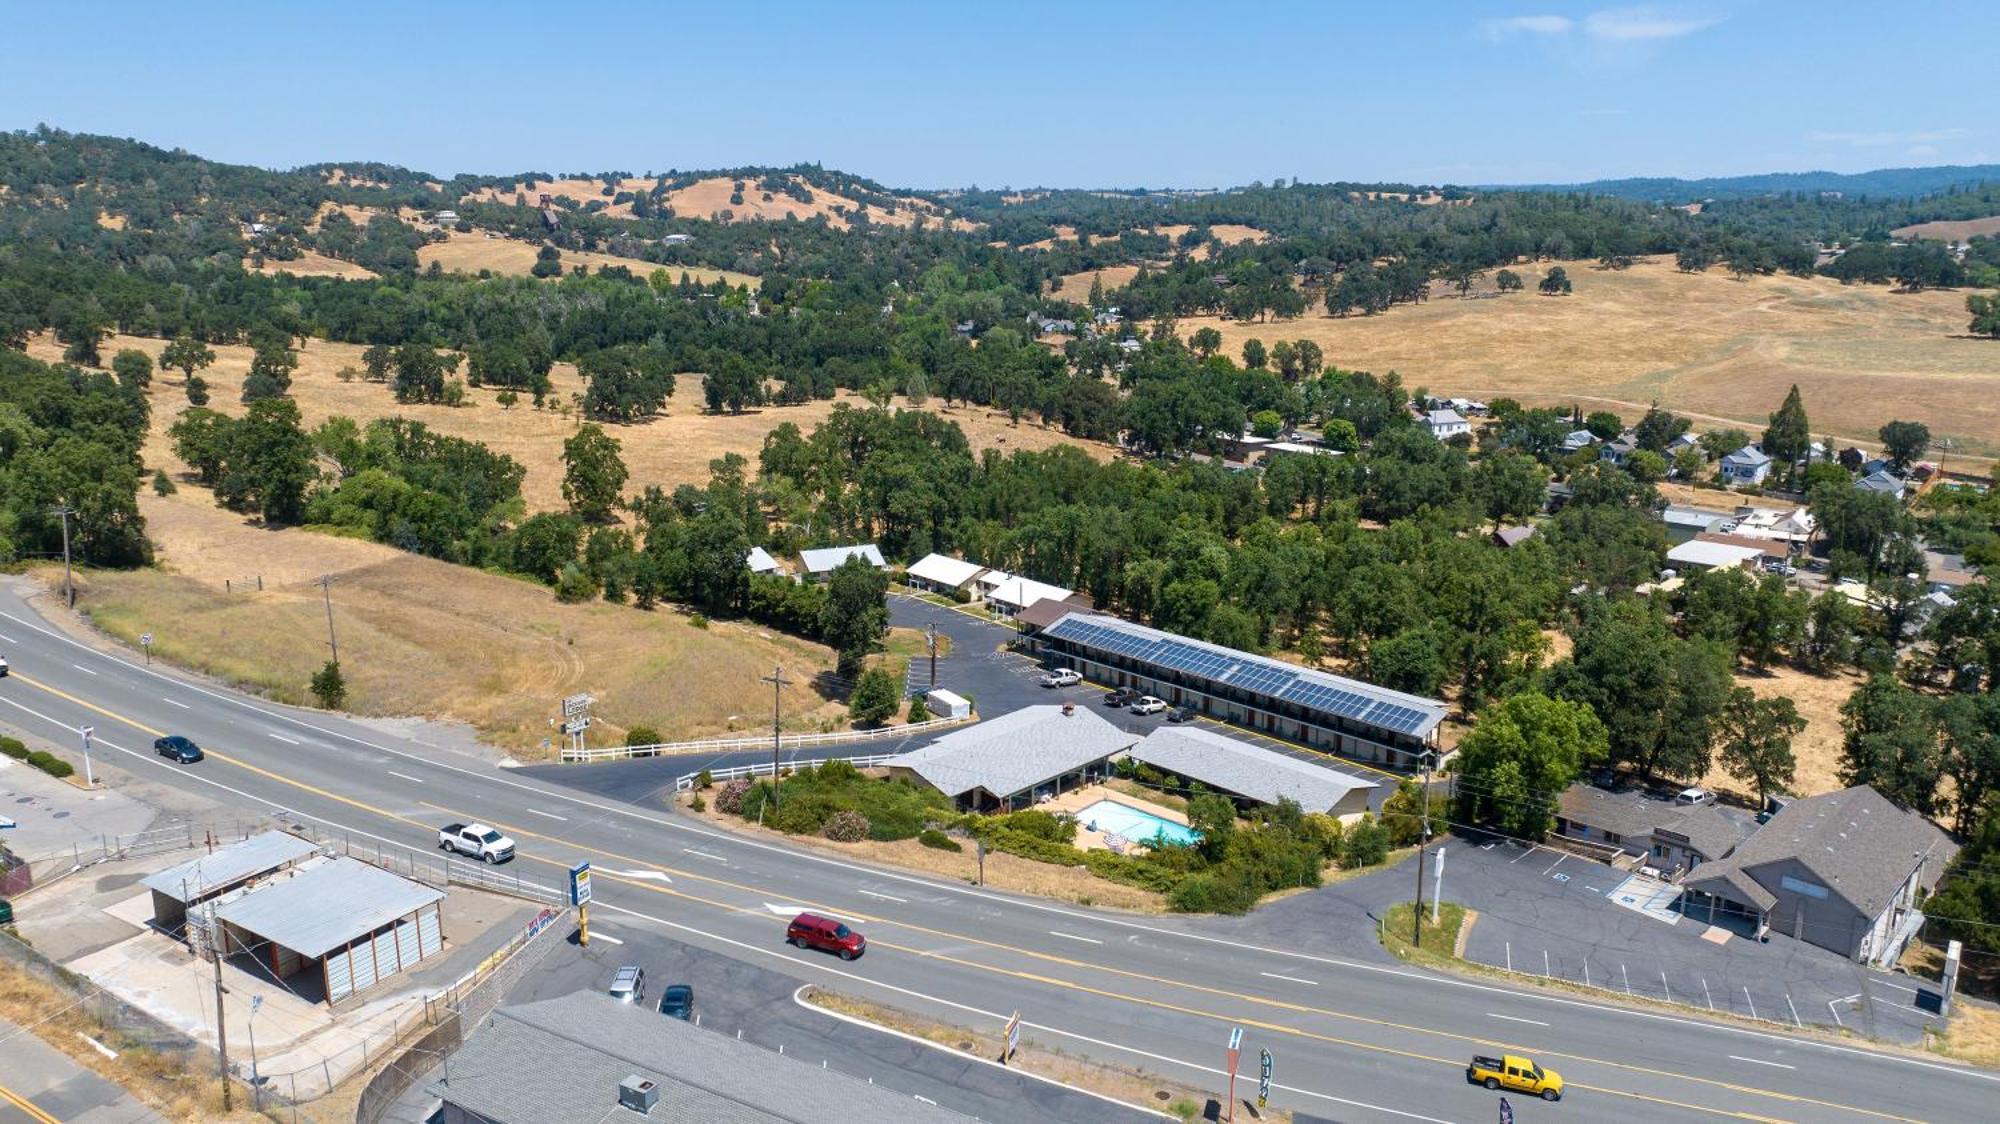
58, 1086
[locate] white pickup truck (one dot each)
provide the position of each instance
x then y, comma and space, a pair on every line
477, 840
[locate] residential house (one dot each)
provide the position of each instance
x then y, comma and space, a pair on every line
1696, 554
1684, 523
1577, 439
1885, 482
1749, 465
1672, 837
1768, 550
1513, 536
941, 573
1446, 424
1843, 871
1791, 526
820, 564
445, 218
1620, 449
1683, 443
676, 239
1948, 573
759, 561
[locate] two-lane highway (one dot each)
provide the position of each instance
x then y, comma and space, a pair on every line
1358, 1036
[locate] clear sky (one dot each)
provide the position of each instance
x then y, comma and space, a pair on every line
1089, 93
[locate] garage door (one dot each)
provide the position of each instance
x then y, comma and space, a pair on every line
429, 938
385, 952
363, 959
339, 975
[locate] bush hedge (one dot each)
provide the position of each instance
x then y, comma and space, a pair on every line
51, 764
846, 827
932, 837
13, 747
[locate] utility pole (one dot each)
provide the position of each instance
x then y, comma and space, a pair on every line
325, 584
64, 511
778, 684
1423, 837
930, 636
221, 1029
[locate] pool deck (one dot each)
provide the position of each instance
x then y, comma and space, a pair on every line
1078, 799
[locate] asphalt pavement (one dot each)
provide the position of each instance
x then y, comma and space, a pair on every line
1356, 1035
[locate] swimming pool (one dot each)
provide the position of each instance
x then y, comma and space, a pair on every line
1133, 824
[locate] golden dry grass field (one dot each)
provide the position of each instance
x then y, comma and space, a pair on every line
1950, 230
707, 199
672, 449
1720, 350
1075, 287
311, 263
508, 257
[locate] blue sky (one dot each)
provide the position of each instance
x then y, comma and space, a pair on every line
1103, 93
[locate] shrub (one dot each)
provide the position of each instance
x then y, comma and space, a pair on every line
918, 711
13, 747
932, 837
329, 686
698, 804
698, 621
798, 817
704, 780
730, 799
163, 485
573, 584
846, 827
49, 763
646, 735
1040, 825
1366, 845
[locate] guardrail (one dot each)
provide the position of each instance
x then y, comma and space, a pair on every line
686, 782
730, 745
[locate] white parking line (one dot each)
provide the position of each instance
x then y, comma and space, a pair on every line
1532, 848
286, 740
8, 639
406, 776
1760, 1061
1290, 979
182, 705
545, 815
1559, 861
1514, 1019
606, 939
886, 897
1073, 937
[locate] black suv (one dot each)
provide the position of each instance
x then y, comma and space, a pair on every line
678, 1002
1180, 714
174, 747
1121, 696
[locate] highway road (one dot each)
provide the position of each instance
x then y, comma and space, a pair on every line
1356, 1035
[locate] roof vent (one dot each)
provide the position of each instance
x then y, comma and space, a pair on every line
638, 1094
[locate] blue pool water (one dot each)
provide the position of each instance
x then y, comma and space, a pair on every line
1133, 824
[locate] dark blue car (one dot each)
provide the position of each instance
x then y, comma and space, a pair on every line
176, 748
678, 1002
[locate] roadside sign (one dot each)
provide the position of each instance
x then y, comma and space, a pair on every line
575, 705
1264, 1077
579, 884
1235, 1054
576, 726
88, 732
145, 639
1013, 1035
1506, 1112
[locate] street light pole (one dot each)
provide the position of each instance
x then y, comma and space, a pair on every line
930, 634
89, 774
256, 1084
778, 684
1423, 838
325, 584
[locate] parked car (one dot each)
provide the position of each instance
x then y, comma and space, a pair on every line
1149, 704
1180, 714
810, 930
677, 1001
1062, 677
477, 840
629, 985
178, 749
1695, 797
1516, 1073
1121, 696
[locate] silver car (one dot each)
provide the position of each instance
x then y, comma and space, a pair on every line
629, 985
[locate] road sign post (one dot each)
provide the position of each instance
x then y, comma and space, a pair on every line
1235, 1054
1263, 1078
89, 774
579, 896
1013, 1037
146, 644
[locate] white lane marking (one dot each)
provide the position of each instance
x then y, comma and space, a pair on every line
1073, 937
405, 776
286, 740
83, 669
1898, 987
1414, 976
652, 875
1760, 1061
182, 705
1515, 1019
886, 897
924, 1099
606, 938
8, 639
705, 855
545, 815
1290, 979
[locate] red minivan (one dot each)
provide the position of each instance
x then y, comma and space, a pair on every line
810, 930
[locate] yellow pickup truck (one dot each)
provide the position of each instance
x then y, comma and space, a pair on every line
1517, 1073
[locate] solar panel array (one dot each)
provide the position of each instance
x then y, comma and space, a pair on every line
1328, 694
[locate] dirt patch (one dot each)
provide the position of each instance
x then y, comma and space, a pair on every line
1003, 872
1951, 230
1817, 749
311, 263
1075, 287
508, 257
707, 199
1719, 350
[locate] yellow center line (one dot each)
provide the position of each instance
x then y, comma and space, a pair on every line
1099, 969
33, 1110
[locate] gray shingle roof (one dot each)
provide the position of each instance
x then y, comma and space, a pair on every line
1855, 840
1245, 769
1726, 880
1629, 815
559, 1061
1713, 831
322, 907
1015, 751
258, 854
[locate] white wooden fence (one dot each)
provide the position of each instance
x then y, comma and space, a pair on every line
752, 742
685, 782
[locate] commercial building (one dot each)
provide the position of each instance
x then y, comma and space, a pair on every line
1672, 837
586, 1058
941, 573
1250, 772
1011, 761
1843, 871
1331, 712
1015, 593
821, 563
222, 871
1700, 554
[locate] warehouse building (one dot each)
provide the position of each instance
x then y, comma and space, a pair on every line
220, 872
1315, 708
1251, 773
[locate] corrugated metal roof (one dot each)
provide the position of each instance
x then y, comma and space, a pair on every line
1022, 592
945, 570
1701, 552
318, 909
259, 854
760, 561
826, 558
1015, 751
559, 1061
1244, 769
